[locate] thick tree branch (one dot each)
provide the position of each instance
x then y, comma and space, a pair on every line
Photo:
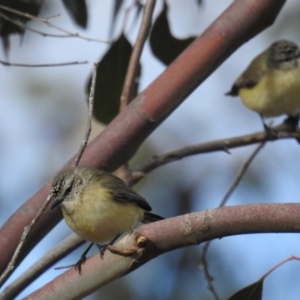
168, 235
118, 142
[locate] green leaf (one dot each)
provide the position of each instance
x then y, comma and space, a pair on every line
250, 292
111, 74
77, 10
163, 44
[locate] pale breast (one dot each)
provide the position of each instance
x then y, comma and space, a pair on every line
274, 95
98, 218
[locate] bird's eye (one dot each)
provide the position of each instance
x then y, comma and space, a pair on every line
68, 190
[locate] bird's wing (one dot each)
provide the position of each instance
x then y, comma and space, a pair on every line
131, 196
121, 192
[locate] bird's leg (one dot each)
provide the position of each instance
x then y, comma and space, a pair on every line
268, 129
270, 132
289, 125
292, 122
82, 258
102, 248
80, 262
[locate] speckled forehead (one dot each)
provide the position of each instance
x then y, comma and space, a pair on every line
56, 187
57, 183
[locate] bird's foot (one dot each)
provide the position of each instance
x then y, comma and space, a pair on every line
77, 265
292, 123
102, 249
271, 133
80, 262
288, 126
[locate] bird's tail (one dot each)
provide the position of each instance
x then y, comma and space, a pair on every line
150, 217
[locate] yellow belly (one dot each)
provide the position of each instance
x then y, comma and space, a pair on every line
97, 218
275, 94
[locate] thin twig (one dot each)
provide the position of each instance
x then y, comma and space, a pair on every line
136, 54
240, 174
293, 257
208, 277
25, 27
126, 95
126, 14
12, 264
6, 63
46, 22
213, 146
25, 15
90, 116
236, 181
257, 283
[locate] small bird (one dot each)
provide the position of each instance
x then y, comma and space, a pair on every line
98, 206
271, 83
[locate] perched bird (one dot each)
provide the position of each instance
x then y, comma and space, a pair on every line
98, 206
271, 83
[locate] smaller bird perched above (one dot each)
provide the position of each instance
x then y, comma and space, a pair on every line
271, 83
98, 206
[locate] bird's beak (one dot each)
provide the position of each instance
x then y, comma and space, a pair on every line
57, 202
